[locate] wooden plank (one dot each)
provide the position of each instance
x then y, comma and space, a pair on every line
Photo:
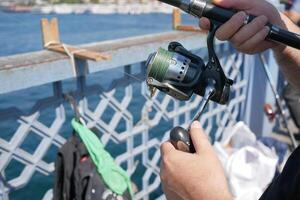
177, 23
80, 53
52, 42
189, 28
50, 32
107, 47
176, 18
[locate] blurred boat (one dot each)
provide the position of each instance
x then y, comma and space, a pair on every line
47, 9
105, 8
16, 8
63, 9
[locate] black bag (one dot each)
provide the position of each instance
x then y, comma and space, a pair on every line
286, 185
76, 177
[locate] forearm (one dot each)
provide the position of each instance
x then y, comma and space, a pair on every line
288, 58
225, 194
220, 182
289, 62
170, 195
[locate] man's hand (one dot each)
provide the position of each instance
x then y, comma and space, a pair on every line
194, 176
248, 38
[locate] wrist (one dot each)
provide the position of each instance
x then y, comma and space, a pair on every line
279, 50
228, 196
220, 195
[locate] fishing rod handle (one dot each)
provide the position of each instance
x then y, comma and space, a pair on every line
181, 140
276, 34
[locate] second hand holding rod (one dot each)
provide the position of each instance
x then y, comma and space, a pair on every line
200, 8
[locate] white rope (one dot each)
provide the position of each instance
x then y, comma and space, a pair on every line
72, 58
52, 42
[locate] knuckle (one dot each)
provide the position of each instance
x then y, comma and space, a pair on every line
165, 161
236, 40
231, 27
239, 48
245, 49
240, 16
204, 23
262, 35
250, 51
265, 18
261, 20
162, 175
220, 36
163, 147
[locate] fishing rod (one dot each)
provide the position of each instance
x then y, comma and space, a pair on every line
201, 8
278, 100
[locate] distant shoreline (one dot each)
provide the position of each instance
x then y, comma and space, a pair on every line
132, 8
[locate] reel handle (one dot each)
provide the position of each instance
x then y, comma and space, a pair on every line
180, 137
181, 140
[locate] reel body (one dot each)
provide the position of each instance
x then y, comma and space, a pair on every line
180, 74
175, 72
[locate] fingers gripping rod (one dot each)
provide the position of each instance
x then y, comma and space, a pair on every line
201, 8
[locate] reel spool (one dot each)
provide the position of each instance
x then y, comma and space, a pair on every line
174, 73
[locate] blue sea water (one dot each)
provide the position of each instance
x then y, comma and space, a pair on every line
20, 33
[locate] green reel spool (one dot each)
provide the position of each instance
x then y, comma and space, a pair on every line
158, 64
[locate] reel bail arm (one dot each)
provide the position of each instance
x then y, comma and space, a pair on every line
180, 137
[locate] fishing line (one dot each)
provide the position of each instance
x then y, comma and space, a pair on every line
131, 76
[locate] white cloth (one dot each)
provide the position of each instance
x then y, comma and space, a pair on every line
249, 165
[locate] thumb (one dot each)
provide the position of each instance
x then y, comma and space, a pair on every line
166, 148
199, 138
236, 4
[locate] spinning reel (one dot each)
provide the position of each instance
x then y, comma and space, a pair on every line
180, 74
